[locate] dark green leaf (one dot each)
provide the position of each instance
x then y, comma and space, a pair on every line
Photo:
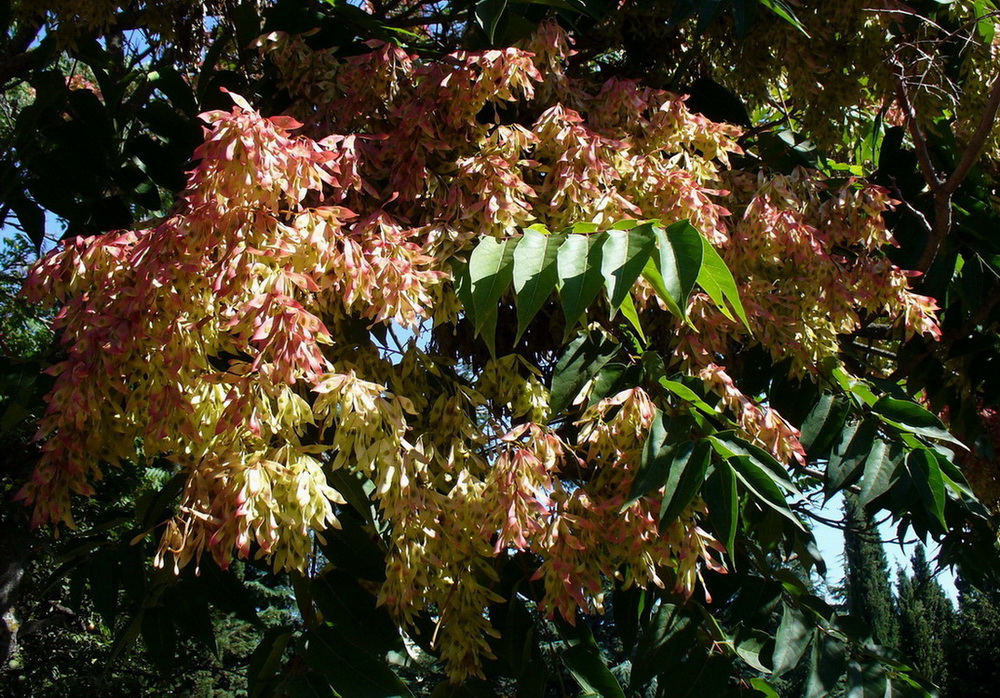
266, 660
590, 671
490, 272
584, 358
630, 313
687, 475
30, 215
783, 10
191, 614
353, 610
791, 640
699, 676
470, 688
880, 467
688, 395
740, 24
679, 260
151, 509
723, 505
170, 82
355, 488
911, 417
656, 458
868, 681
727, 443
717, 281
762, 486
956, 479
824, 422
623, 255
651, 274
310, 685
488, 15
517, 632
846, 462
753, 647
352, 672
663, 643
226, 591
354, 549
926, 477
627, 606
103, 578
828, 663
159, 636
535, 274
765, 688
531, 684
609, 381
578, 261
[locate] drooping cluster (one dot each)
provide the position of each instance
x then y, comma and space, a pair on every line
238, 338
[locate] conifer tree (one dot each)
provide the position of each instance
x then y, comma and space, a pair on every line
926, 619
869, 592
973, 647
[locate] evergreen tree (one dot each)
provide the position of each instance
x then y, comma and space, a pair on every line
867, 585
926, 619
973, 648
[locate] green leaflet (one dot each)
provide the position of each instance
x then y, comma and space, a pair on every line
783, 10
589, 670
490, 273
717, 281
879, 471
679, 468
719, 494
623, 255
651, 273
665, 638
847, 459
350, 670
535, 274
488, 14
829, 657
679, 261
688, 395
823, 423
791, 640
911, 417
266, 659
582, 361
345, 604
632, 315
727, 444
866, 680
685, 478
759, 479
927, 478
578, 264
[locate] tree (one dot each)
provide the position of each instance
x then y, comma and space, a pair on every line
926, 620
867, 579
973, 651
503, 333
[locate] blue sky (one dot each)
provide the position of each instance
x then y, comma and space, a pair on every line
831, 544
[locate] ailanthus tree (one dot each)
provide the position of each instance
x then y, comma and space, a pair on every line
469, 328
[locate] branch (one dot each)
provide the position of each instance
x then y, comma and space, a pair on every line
919, 142
978, 141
